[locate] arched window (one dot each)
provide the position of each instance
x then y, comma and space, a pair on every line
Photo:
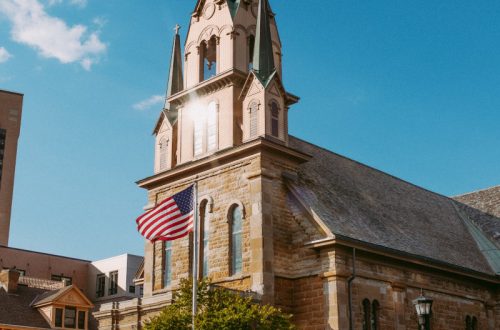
375, 315
253, 109
366, 314
198, 137
212, 126
251, 47
236, 226
275, 119
208, 59
204, 239
167, 270
163, 153
471, 323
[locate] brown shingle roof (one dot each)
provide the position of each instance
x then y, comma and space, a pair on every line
15, 309
364, 204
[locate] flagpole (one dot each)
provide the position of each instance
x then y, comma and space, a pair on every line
195, 254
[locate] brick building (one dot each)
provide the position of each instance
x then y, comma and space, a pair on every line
11, 106
28, 303
333, 241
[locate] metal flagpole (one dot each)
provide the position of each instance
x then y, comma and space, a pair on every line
195, 254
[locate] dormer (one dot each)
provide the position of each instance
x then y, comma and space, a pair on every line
67, 308
165, 143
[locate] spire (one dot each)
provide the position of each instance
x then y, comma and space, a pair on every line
175, 82
263, 58
233, 6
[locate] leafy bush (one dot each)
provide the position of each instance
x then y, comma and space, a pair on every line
218, 309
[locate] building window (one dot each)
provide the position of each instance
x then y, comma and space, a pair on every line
70, 317
3, 135
236, 224
275, 119
204, 239
212, 126
131, 289
371, 316
163, 153
82, 317
208, 59
375, 315
198, 137
366, 314
61, 278
251, 47
471, 323
113, 283
253, 109
58, 318
167, 279
100, 285
205, 124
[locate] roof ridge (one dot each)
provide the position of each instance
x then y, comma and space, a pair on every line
476, 191
372, 168
44, 253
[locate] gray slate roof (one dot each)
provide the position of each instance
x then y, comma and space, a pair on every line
361, 203
15, 309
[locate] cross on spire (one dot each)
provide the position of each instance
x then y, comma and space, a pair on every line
177, 28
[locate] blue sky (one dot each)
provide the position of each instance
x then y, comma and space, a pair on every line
409, 87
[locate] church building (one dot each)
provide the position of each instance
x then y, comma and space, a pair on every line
336, 243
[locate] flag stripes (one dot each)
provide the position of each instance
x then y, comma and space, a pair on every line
169, 220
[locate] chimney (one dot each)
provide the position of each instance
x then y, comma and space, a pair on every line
9, 279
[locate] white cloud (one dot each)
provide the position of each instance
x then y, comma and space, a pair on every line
78, 3
150, 102
4, 55
51, 36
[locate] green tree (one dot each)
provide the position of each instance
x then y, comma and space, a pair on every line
218, 309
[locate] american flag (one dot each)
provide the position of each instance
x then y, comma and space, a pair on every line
169, 220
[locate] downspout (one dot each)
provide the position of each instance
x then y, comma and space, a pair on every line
349, 288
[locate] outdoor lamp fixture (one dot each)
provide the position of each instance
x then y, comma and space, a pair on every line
423, 306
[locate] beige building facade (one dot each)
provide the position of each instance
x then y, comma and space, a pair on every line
11, 106
336, 243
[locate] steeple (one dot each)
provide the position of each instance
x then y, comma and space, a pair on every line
175, 81
263, 57
233, 6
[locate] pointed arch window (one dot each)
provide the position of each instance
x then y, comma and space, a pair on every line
371, 315
275, 119
208, 59
167, 271
204, 239
198, 137
366, 314
471, 323
253, 109
163, 153
212, 126
236, 229
474, 323
375, 315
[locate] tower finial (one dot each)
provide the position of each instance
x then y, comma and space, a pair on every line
263, 57
175, 81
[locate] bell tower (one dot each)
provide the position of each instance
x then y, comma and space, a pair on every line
229, 90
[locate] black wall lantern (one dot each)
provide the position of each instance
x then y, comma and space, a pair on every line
423, 306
